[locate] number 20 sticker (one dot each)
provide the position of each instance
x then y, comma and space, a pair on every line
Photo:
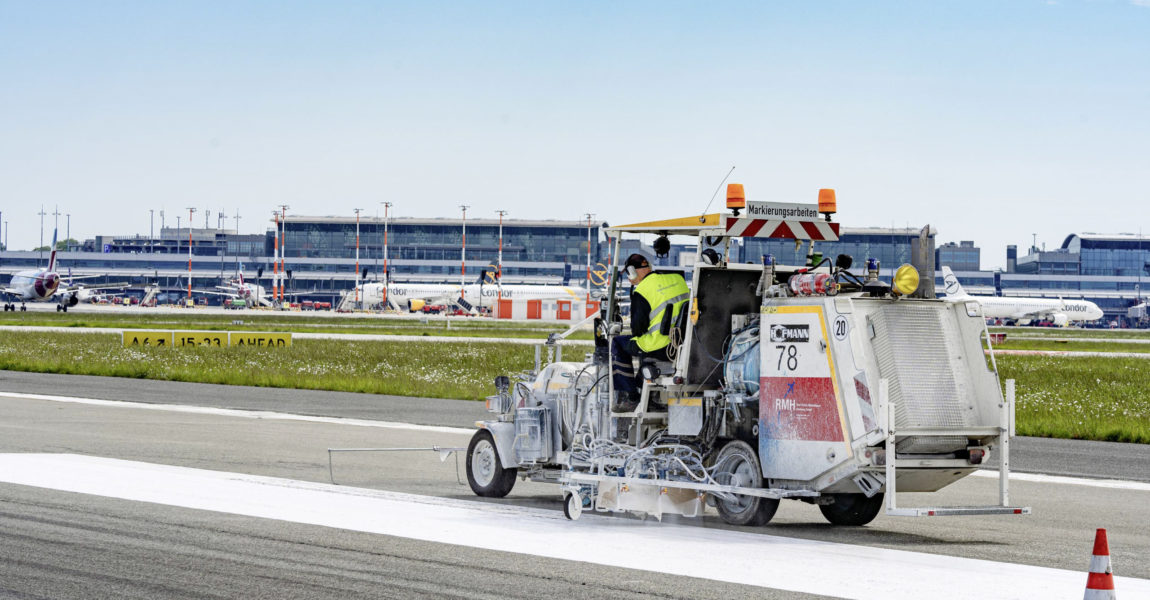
840, 328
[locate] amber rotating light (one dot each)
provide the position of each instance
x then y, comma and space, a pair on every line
827, 204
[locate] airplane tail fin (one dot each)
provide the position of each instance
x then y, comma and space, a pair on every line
52, 257
951, 285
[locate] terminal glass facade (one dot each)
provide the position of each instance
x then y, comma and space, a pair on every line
1128, 256
442, 241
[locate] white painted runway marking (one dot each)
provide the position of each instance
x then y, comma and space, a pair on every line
1115, 484
826, 568
272, 415
243, 414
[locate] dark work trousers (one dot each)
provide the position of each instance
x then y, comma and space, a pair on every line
622, 367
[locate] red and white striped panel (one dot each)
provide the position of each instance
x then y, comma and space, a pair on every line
777, 228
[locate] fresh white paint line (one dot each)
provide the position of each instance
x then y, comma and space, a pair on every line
800, 565
271, 415
1116, 484
243, 414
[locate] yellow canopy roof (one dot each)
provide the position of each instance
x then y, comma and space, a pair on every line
681, 226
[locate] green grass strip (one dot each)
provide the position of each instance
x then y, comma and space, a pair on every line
1094, 398
1090, 398
269, 321
423, 369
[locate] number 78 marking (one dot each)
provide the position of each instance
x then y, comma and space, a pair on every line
791, 353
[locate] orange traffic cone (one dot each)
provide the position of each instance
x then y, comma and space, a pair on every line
1100, 583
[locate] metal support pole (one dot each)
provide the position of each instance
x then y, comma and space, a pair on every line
1007, 428
190, 212
887, 412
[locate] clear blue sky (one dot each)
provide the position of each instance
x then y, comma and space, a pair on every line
990, 120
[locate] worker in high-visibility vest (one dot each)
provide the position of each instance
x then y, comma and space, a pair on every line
652, 295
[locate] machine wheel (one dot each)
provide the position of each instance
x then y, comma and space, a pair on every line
573, 507
738, 465
852, 509
485, 473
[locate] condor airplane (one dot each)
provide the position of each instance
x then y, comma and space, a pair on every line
1060, 312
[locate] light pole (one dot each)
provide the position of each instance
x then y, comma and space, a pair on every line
357, 305
276, 257
386, 273
190, 212
68, 230
283, 250
589, 217
151, 231
41, 213
499, 266
463, 253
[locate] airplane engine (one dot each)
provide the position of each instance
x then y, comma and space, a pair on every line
415, 304
69, 300
1060, 320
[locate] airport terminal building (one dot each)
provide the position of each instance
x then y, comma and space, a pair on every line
320, 255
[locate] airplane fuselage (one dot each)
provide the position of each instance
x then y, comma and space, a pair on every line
34, 286
401, 293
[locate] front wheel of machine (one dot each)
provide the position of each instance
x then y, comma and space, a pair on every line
852, 510
737, 464
573, 507
485, 473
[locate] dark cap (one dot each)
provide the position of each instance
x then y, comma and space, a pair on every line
638, 261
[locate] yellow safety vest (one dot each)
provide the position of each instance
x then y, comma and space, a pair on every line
661, 291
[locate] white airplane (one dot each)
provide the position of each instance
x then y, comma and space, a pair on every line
41, 285
414, 296
253, 294
1060, 312
37, 285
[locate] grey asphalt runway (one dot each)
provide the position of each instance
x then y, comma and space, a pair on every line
64, 545
1076, 458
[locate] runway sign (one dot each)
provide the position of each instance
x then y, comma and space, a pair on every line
216, 339
148, 338
261, 340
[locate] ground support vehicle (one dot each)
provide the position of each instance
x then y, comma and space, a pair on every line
807, 383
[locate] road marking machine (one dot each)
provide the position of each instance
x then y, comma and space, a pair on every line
804, 382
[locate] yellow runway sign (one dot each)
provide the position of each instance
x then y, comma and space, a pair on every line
261, 340
148, 338
216, 339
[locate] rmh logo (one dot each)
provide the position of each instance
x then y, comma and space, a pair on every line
790, 333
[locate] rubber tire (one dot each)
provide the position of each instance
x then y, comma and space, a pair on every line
503, 479
852, 510
748, 510
573, 507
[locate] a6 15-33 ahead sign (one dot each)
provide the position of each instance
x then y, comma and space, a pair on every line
214, 339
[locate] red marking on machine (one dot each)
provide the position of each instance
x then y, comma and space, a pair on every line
800, 408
